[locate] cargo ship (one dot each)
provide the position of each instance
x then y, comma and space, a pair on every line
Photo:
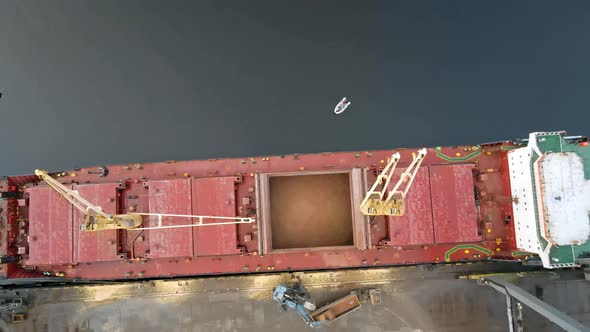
520, 200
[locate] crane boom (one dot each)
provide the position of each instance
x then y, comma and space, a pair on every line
374, 203
371, 205
395, 203
95, 219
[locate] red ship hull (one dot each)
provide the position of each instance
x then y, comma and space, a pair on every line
306, 208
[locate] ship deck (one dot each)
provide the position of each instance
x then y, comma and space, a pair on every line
306, 208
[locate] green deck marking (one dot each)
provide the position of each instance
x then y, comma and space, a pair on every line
454, 159
568, 254
510, 147
522, 253
563, 254
551, 143
466, 246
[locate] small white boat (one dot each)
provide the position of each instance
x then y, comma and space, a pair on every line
341, 106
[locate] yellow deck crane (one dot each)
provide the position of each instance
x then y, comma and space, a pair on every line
376, 203
95, 219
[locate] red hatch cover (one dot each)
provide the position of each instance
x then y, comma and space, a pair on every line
171, 197
215, 197
415, 227
100, 245
50, 228
453, 203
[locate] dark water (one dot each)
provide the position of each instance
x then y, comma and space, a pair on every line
89, 82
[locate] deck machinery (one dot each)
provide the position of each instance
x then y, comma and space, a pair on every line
509, 200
